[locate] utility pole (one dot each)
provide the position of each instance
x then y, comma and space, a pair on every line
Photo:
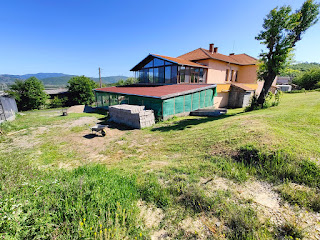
100, 77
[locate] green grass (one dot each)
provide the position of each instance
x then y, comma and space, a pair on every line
165, 166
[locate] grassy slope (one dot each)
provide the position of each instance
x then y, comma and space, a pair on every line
163, 166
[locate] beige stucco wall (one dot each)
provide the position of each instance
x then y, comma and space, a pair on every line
247, 74
217, 72
221, 100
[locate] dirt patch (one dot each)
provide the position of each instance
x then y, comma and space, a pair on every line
151, 215
194, 227
80, 122
76, 109
90, 145
267, 203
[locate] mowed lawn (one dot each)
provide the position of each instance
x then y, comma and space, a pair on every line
244, 175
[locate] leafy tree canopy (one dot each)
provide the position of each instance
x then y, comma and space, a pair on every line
29, 94
80, 90
282, 30
309, 79
128, 81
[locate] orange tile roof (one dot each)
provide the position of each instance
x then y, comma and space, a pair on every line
200, 53
180, 61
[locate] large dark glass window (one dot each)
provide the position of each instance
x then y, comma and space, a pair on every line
187, 76
182, 74
150, 64
174, 73
196, 75
156, 75
150, 75
145, 76
168, 74
201, 75
158, 62
161, 74
168, 63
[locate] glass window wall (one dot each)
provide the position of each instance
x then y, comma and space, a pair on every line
159, 71
167, 74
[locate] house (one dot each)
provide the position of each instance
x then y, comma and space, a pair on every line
198, 79
8, 107
283, 80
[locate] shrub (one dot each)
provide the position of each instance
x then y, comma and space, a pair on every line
57, 102
29, 94
80, 90
309, 80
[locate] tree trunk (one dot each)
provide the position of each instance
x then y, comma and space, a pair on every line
266, 86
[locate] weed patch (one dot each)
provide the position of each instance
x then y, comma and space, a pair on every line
279, 165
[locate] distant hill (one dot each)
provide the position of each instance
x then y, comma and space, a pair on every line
55, 79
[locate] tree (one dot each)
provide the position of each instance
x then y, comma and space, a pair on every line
282, 30
309, 79
128, 81
29, 94
80, 90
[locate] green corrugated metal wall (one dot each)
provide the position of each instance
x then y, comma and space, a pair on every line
162, 108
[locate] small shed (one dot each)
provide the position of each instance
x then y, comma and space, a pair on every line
239, 95
8, 108
165, 100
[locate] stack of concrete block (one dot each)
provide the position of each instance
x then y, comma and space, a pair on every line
132, 115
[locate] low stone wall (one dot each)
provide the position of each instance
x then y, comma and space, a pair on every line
132, 115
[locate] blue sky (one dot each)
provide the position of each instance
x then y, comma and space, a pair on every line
78, 36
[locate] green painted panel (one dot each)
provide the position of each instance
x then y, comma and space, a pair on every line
154, 104
179, 104
209, 98
168, 107
187, 103
202, 99
195, 101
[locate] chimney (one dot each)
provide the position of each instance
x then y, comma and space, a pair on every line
215, 49
211, 45
231, 54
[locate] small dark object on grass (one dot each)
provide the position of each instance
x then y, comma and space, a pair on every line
64, 113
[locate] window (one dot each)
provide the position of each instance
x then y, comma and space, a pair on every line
150, 75
158, 62
167, 74
145, 76
187, 76
174, 73
201, 75
227, 75
232, 73
182, 74
167, 63
150, 64
236, 79
161, 74
156, 75
196, 75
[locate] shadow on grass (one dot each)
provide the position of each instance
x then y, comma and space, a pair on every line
188, 123
91, 136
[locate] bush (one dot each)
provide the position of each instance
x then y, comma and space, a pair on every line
57, 102
81, 90
29, 94
309, 80
271, 100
